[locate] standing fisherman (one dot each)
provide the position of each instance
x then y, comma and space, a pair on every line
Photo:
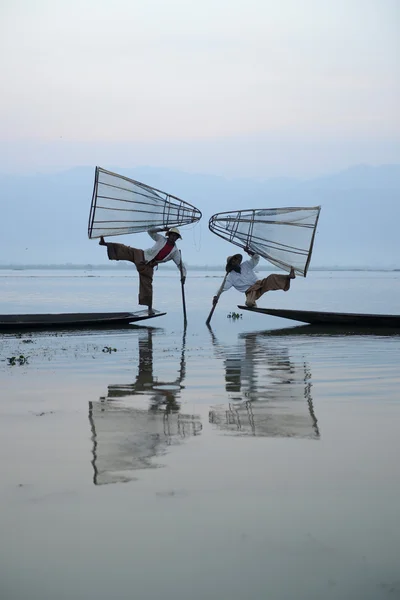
162, 251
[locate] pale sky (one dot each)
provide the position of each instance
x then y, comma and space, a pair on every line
244, 87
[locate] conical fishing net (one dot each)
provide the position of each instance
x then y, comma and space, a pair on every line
121, 205
283, 236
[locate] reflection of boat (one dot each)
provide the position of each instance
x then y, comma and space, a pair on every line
72, 320
331, 331
331, 318
126, 438
270, 393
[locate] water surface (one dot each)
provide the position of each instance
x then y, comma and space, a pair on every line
247, 460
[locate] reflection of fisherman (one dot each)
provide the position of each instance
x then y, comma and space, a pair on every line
269, 394
163, 394
240, 367
164, 249
243, 278
127, 437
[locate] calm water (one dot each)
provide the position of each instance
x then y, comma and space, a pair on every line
250, 460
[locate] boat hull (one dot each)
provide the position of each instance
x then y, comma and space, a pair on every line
72, 320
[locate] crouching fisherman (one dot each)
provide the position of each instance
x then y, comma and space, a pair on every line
242, 277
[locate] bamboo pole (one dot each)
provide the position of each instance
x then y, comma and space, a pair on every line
183, 291
218, 295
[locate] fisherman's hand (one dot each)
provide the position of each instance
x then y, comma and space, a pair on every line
215, 300
183, 279
249, 252
102, 242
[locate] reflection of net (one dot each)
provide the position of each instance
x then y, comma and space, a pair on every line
121, 205
283, 236
127, 439
268, 419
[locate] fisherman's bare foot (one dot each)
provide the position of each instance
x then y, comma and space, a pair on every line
250, 304
102, 242
292, 274
151, 311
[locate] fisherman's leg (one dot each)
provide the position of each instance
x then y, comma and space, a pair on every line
272, 283
145, 285
251, 299
252, 294
145, 278
122, 252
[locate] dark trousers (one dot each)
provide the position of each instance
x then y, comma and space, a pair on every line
270, 283
145, 270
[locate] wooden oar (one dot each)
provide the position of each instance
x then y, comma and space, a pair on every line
217, 298
183, 291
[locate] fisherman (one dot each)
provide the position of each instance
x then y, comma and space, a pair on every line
164, 249
243, 278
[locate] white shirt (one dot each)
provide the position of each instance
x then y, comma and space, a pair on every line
245, 279
152, 252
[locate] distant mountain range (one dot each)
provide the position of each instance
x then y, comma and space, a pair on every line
44, 216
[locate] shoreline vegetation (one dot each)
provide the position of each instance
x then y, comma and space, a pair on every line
127, 267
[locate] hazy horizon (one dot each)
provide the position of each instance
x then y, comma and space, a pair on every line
45, 216
261, 156
285, 177
211, 268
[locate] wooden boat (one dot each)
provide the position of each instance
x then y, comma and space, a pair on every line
73, 320
331, 318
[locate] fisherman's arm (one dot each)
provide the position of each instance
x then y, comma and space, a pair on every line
155, 235
227, 285
177, 258
254, 258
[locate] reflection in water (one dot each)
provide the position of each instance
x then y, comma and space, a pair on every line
270, 393
163, 394
126, 438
